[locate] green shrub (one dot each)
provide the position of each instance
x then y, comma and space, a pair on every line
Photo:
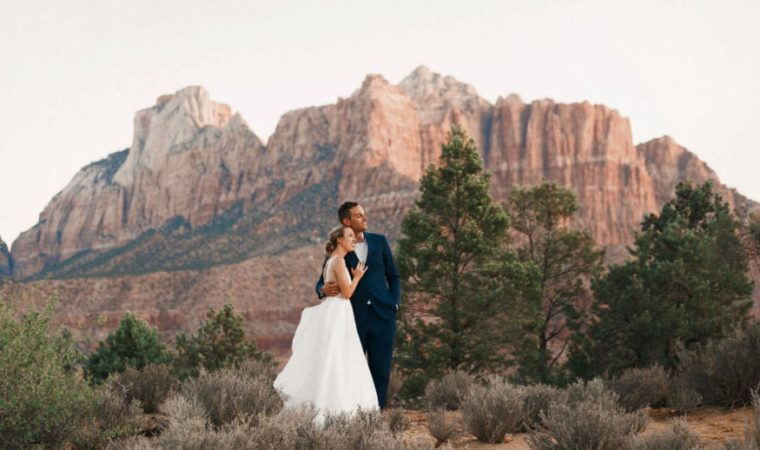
492, 411
639, 388
724, 372
113, 417
219, 342
133, 344
43, 400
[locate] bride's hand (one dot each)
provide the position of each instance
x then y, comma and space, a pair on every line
359, 270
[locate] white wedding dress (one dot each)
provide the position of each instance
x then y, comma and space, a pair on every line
328, 368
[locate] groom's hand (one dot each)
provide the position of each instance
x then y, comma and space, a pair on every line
331, 289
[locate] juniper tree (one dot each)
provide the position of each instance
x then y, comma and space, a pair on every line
463, 291
219, 342
686, 282
133, 344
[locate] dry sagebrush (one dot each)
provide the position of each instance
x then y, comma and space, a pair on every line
724, 372
492, 411
641, 387
586, 415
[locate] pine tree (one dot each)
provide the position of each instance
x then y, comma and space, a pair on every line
686, 282
461, 287
566, 259
219, 342
133, 344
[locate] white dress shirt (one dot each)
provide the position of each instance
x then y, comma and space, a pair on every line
361, 250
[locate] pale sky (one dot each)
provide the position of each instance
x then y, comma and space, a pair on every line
75, 72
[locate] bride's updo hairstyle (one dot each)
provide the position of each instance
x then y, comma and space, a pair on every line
332, 239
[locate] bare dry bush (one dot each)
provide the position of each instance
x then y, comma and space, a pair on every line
448, 391
492, 411
588, 415
677, 436
150, 385
641, 387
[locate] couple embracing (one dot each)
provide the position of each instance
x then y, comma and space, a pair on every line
342, 348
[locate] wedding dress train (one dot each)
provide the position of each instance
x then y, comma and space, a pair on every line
328, 368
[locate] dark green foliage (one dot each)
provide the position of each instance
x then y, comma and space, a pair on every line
219, 342
724, 372
461, 287
566, 259
133, 344
687, 281
43, 400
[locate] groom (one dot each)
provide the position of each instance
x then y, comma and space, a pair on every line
376, 298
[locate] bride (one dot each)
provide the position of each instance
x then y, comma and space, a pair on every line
328, 368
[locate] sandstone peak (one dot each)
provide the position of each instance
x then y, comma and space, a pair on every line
373, 84
510, 100
423, 82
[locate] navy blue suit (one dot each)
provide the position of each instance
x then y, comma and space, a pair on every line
375, 302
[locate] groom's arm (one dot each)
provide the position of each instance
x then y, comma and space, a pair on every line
318, 288
321, 282
391, 273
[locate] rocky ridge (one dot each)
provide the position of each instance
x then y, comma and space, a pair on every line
198, 199
6, 262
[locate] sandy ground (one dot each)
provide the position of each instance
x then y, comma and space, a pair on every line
711, 424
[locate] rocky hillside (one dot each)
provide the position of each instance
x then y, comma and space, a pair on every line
6, 263
197, 207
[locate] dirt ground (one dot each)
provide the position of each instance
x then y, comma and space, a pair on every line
711, 424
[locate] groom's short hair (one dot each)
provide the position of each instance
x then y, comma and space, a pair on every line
344, 211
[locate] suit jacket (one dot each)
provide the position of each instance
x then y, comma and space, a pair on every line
379, 289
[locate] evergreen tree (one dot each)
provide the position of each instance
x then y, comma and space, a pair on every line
134, 344
461, 287
566, 260
219, 342
687, 281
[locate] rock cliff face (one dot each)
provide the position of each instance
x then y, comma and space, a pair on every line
668, 163
189, 157
6, 263
197, 211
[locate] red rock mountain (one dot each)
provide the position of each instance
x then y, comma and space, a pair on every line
197, 212
6, 263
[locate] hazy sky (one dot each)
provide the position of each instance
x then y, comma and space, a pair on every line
75, 72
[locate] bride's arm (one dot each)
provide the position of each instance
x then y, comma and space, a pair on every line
347, 286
